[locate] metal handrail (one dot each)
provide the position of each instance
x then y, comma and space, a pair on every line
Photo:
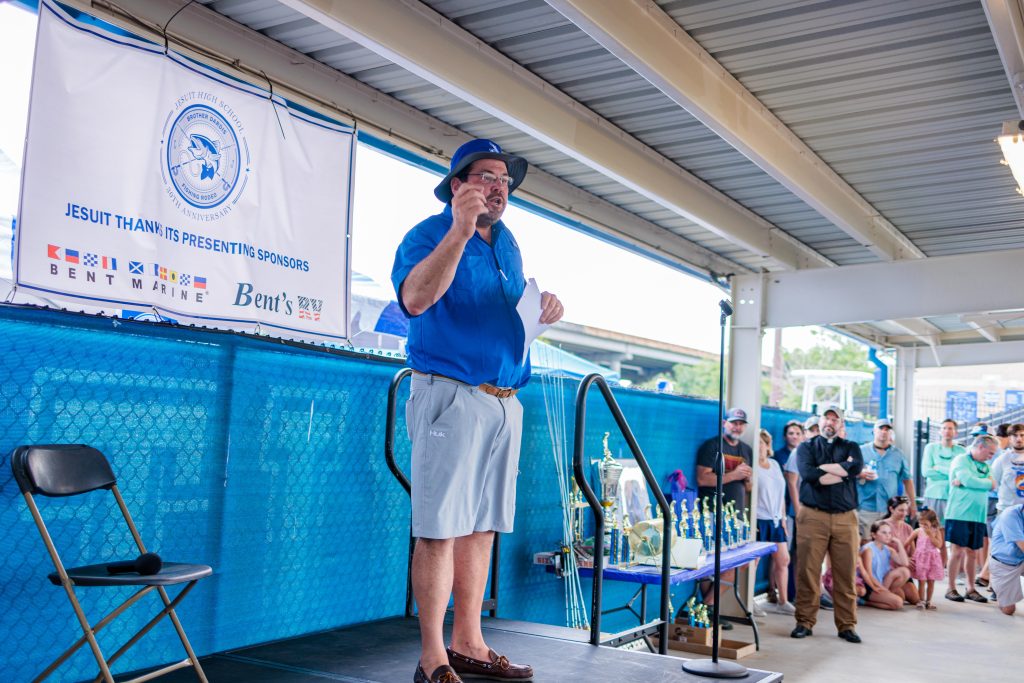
389, 456
595, 506
389, 430
491, 604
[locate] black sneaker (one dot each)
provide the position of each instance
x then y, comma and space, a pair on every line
801, 631
954, 596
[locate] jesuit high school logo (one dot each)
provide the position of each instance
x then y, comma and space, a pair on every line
203, 159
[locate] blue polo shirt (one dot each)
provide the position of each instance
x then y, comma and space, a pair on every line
892, 469
1007, 529
473, 333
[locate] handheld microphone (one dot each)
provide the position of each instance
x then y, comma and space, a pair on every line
145, 564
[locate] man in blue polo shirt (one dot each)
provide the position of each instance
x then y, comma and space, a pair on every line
459, 277
885, 467
1006, 561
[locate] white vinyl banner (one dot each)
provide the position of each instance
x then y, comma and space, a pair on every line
157, 187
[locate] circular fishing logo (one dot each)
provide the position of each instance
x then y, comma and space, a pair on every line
203, 156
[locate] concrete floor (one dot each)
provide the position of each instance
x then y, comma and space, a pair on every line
957, 642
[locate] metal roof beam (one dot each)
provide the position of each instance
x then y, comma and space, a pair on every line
941, 285
985, 325
335, 94
1007, 24
653, 44
984, 353
959, 337
420, 40
920, 329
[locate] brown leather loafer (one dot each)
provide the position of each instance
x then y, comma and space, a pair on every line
498, 669
442, 674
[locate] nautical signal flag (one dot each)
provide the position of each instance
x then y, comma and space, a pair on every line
90, 260
134, 267
162, 273
173, 276
184, 280
200, 282
71, 255
53, 251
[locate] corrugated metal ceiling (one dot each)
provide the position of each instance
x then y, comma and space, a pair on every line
901, 99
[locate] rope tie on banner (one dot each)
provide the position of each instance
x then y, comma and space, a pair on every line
167, 42
273, 104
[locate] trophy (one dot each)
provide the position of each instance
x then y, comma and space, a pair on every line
609, 473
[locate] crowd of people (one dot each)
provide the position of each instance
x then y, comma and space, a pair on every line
847, 527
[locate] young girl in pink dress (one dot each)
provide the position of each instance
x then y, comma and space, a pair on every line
923, 546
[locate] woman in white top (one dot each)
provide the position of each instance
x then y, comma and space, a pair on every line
771, 515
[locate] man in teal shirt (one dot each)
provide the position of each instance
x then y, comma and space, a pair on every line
885, 467
935, 468
970, 480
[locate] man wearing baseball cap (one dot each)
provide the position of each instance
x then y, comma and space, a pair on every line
459, 277
885, 467
737, 458
827, 525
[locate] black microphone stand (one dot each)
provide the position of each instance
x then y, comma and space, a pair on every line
712, 668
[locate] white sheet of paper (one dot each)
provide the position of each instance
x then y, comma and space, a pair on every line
529, 312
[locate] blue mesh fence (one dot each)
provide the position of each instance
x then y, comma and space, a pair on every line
265, 461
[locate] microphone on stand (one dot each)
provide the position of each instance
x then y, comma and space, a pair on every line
145, 564
714, 667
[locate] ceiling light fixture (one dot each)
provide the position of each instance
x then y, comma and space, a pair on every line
1011, 142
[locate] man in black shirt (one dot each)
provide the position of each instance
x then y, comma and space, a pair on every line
827, 524
737, 479
738, 457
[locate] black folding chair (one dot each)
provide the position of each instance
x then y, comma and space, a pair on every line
70, 470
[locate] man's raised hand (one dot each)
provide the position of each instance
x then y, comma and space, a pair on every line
468, 204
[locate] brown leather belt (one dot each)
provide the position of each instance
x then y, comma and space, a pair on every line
498, 392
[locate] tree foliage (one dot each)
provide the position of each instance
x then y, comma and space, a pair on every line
832, 352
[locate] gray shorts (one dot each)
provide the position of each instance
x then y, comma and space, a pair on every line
1005, 581
938, 506
865, 518
465, 458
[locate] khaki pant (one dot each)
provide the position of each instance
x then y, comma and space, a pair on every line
817, 534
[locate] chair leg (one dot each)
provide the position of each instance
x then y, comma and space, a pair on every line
95, 629
200, 674
167, 610
89, 635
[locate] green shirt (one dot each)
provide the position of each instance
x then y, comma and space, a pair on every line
969, 501
935, 468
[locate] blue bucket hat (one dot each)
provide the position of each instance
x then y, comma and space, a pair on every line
481, 149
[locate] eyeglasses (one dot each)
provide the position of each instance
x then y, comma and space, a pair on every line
490, 178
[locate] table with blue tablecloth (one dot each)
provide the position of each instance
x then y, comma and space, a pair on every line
647, 575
